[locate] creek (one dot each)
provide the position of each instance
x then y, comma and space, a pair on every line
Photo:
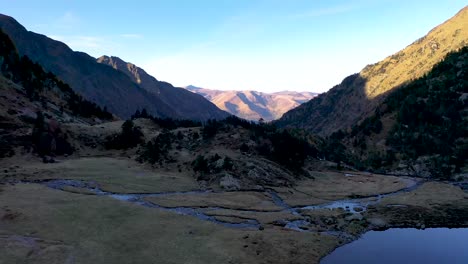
350, 205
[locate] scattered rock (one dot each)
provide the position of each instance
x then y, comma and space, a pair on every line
48, 159
377, 222
356, 216
219, 164
280, 223
330, 221
358, 209
9, 216
229, 183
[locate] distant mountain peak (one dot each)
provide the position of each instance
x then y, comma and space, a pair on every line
253, 105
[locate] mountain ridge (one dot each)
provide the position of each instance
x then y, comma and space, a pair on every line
98, 82
253, 105
189, 105
358, 95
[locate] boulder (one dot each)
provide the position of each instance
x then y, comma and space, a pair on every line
377, 222
356, 216
229, 183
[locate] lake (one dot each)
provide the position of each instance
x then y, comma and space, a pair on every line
433, 245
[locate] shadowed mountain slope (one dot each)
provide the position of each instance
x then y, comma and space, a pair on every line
101, 83
358, 95
184, 103
33, 104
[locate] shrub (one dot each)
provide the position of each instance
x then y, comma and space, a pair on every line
210, 129
129, 137
157, 149
200, 164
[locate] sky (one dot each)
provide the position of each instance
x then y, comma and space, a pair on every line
263, 45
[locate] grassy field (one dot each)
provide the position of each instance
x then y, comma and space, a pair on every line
233, 200
331, 186
43, 225
112, 174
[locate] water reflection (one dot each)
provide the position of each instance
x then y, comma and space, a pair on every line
429, 246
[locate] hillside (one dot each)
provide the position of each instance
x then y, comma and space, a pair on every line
253, 105
358, 95
35, 104
420, 129
103, 84
184, 104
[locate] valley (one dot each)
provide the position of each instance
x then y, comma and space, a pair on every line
122, 204
101, 162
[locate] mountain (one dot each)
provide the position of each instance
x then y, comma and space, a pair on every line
420, 129
36, 102
184, 103
359, 95
253, 105
105, 85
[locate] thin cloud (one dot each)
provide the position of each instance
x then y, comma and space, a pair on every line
131, 36
68, 21
326, 11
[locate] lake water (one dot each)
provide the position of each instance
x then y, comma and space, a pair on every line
429, 246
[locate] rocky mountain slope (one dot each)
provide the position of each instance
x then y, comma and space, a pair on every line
358, 96
34, 104
183, 103
103, 84
253, 105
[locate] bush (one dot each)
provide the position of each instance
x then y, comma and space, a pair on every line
157, 149
48, 138
244, 148
227, 164
129, 137
200, 164
210, 129
166, 123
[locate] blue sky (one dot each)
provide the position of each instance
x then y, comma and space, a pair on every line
265, 45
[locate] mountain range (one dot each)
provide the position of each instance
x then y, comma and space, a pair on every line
109, 83
406, 111
253, 105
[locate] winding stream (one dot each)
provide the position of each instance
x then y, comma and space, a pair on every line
138, 198
350, 205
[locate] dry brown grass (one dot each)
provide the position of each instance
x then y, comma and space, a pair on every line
330, 186
429, 195
77, 228
232, 200
112, 174
418, 58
